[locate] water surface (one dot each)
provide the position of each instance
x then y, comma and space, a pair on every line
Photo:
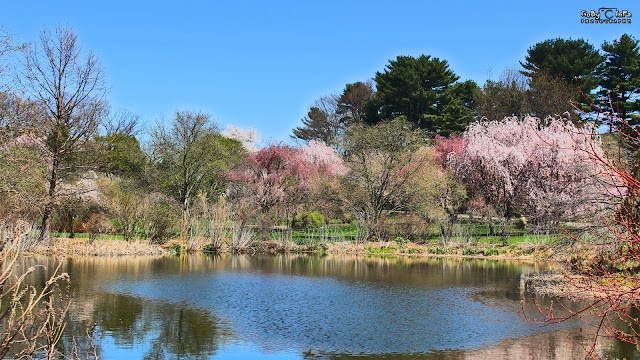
299, 306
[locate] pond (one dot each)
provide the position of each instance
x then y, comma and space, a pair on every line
309, 307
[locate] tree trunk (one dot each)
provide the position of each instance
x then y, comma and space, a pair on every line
504, 236
46, 223
72, 232
184, 226
48, 209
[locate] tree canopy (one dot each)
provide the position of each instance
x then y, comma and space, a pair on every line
322, 122
574, 61
425, 92
620, 76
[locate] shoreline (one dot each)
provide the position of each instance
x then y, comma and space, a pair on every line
547, 283
107, 248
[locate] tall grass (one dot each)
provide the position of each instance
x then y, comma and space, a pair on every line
242, 237
212, 226
31, 318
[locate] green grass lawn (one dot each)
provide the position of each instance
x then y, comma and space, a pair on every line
328, 233
475, 231
349, 232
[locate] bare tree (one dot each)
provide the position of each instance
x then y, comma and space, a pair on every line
71, 88
383, 160
190, 157
515, 94
6, 46
123, 122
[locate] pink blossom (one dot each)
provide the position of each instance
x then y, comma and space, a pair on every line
324, 157
520, 167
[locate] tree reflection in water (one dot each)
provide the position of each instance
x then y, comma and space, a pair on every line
309, 307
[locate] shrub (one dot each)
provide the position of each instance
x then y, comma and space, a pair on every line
521, 223
242, 238
409, 226
306, 220
491, 252
161, 220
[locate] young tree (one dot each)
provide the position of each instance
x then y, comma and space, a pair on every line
620, 77
425, 92
70, 87
190, 156
125, 202
437, 195
382, 160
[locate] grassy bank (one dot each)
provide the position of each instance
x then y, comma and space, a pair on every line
469, 240
518, 248
87, 247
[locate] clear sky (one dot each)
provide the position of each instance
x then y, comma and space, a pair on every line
261, 64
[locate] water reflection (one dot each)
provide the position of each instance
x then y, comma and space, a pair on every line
300, 306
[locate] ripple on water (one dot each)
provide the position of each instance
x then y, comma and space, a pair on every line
281, 312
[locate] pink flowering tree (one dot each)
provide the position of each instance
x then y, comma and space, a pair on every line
270, 181
323, 157
447, 149
605, 274
520, 167
276, 181
324, 191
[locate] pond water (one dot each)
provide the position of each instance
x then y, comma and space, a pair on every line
309, 307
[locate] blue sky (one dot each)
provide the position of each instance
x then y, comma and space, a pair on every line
261, 64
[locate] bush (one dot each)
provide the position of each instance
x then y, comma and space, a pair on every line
161, 220
491, 252
306, 220
405, 225
521, 223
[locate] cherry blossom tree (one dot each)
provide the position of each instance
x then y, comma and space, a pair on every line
325, 158
448, 148
276, 181
606, 276
247, 137
272, 178
520, 167
323, 194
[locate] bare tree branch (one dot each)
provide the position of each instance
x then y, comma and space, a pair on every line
71, 88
